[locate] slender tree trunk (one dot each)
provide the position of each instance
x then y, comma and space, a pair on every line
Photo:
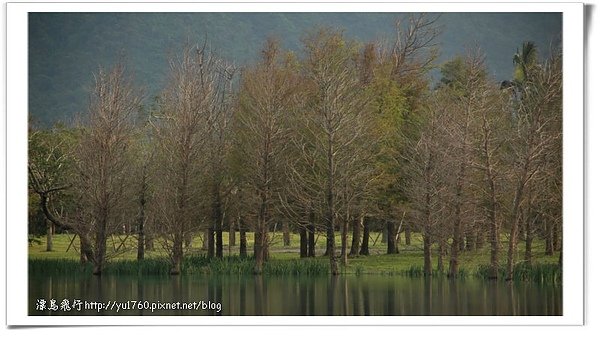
142, 217
330, 215
344, 249
311, 234
243, 242
549, 230
364, 247
177, 254
470, 238
100, 241
528, 219
49, 244
210, 240
514, 229
456, 233
407, 235
141, 239
303, 242
556, 236
492, 209
441, 254
265, 246
218, 222
286, 234
355, 236
259, 236
427, 268
231, 234
391, 240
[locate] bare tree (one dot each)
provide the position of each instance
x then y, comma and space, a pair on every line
267, 96
491, 124
534, 136
180, 129
329, 131
218, 150
425, 183
102, 165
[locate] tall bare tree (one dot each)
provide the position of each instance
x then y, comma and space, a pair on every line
101, 160
267, 96
425, 171
218, 150
534, 136
492, 129
329, 129
180, 131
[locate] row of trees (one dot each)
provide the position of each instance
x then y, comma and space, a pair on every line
340, 138
489, 160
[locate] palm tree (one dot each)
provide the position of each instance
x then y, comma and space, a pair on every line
523, 61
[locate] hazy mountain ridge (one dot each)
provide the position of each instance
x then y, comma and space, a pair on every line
66, 48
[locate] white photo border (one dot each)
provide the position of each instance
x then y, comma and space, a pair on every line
573, 162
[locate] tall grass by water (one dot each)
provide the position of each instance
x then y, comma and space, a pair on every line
233, 265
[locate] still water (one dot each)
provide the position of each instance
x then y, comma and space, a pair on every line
295, 296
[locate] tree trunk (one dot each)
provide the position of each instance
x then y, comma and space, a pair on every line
549, 238
265, 246
210, 241
455, 247
49, 233
529, 219
177, 258
364, 247
303, 242
427, 269
140, 243
514, 230
330, 248
218, 222
457, 233
355, 236
243, 242
311, 234
407, 234
441, 253
470, 238
344, 249
286, 234
231, 234
391, 239
83, 257
330, 214
259, 235
556, 236
100, 243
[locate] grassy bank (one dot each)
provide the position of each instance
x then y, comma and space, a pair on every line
284, 261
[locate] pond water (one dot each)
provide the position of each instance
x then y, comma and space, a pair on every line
294, 296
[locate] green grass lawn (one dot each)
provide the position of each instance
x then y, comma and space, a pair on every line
410, 257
